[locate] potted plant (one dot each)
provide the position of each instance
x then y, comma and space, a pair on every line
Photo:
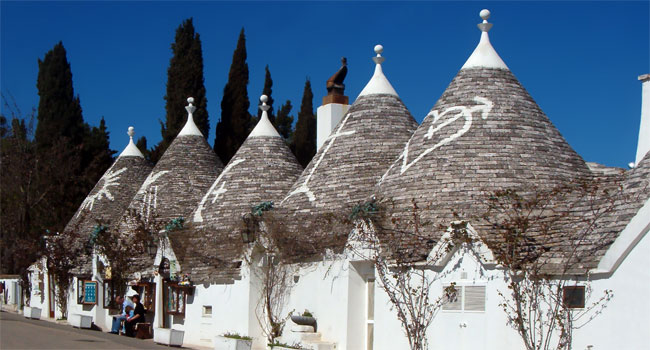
306, 319
276, 345
232, 341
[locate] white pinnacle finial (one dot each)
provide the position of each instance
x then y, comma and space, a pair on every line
264, 107
485, 26
131, 149
190, 108
378, 50
190, 128
484, 55
264, 127
378, 84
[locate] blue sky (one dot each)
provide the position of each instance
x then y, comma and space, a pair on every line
578, 60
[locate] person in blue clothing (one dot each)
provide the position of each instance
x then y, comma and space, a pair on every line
117, 320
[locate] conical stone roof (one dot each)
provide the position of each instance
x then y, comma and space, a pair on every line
346, 168
484, 133
109, 198
178, 181
262, 170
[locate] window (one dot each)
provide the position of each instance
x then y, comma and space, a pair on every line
109, 295
147, 292
573, 297
86, 292
176, 299
467, 298
207, 310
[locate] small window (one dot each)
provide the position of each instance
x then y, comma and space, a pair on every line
109, 295
573, 297
176, 299
466, 298
86, 292
207, 310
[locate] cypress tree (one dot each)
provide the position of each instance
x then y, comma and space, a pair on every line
268, 90
304, 137
142, 146
59, 111
232, 128
184, 79
97, 153
284, 121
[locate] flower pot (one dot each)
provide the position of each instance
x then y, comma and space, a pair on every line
80, 321
225, 343
304, 321
170, 337
32, 312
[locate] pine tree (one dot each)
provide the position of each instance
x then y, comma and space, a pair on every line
184, 79
232, 128
304, 137
284, 121
59, 111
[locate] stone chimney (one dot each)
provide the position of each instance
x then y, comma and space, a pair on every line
644, 131
334, 107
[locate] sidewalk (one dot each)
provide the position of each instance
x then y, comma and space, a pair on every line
18, 332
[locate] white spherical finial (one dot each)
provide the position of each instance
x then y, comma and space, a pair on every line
131, 131
264, 98
190, 100
485, 14
379, 49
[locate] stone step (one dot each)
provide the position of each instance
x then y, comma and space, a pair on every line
312, 337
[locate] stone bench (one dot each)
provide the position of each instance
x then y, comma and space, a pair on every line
166, 336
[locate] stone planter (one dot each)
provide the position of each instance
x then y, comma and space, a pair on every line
170, 337
304, 321
225, 343
80, 321
32, 312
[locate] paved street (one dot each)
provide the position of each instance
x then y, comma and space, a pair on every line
17, 332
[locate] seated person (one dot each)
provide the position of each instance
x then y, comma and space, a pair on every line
129, 313
138, 316
122, 303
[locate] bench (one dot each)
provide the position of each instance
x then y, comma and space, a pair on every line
143, 331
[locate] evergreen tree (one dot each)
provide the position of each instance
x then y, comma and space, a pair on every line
70, 156
142, 146
268, 90
59, 111
284, 121
232, 128
184, 79
304, 137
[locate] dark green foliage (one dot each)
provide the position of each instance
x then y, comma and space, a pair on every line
47, 173
59, 111
142, 146
184, 79
304, 137
232, 128
284, 121
268, 90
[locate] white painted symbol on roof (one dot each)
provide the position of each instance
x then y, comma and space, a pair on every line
150, 192
440, 121
304, 187
109, 180
197, 213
